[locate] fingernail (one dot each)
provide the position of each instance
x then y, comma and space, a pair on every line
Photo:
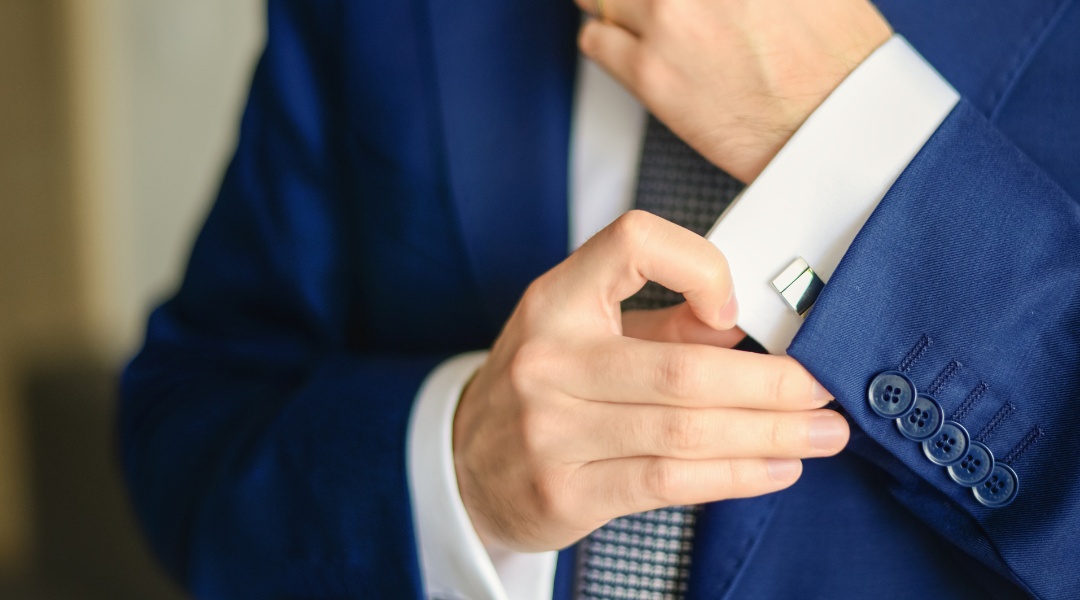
820, 394
784, 469
729, 314
828, 433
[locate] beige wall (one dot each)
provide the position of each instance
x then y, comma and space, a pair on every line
158, 86
116, 119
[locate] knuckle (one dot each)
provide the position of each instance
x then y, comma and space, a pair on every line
787, 386
649, 73
682, 432
526, 368
663, 14
532, 302
550, 492
681, 373
715, 266
587, 39
651, 9
741, 475
632, 228
642, 73
725, 478
535, 432
712, 271
777, 434
662, 480
738, 478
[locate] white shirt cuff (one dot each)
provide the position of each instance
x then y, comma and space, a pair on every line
454, 563
815, 196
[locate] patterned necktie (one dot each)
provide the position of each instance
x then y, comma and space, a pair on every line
647, 556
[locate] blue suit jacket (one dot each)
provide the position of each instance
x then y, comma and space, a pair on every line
401, 177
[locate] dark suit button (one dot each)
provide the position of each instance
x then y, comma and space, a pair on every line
948, 445
975, 467
1000, 489
892, 395
924, 422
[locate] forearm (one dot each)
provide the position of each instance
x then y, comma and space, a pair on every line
272, 478
974, 248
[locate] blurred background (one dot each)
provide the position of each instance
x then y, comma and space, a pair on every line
116, 120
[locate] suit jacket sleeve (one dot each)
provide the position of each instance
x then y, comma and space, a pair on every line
263, 431
967, 277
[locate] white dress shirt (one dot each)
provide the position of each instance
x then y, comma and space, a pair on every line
809, 202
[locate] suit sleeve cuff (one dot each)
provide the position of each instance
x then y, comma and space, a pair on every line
815, 196
455, 563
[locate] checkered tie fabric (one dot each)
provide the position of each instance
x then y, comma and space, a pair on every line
647, 556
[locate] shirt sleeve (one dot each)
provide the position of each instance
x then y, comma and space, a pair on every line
455, 563
815, 196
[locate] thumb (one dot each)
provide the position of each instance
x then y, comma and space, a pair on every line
679, 325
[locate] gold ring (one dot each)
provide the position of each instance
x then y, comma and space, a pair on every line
600, 9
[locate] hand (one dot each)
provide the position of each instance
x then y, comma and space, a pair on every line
733, 78
572, 422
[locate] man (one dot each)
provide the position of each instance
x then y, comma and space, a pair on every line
400, 186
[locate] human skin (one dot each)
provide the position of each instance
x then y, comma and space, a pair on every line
582, 413
733, 78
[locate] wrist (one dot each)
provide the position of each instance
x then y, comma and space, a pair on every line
803, 95
464, 417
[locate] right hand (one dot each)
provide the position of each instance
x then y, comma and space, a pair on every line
572, 421
735, 79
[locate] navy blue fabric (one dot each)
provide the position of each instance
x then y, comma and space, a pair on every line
401, 176
988, 269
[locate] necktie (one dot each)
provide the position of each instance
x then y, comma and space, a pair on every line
647, 556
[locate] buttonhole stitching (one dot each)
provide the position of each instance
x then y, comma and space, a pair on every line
969, 402
997, 420
943, 378
915, 354
1025, 444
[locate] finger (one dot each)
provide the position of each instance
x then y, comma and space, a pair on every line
615, 49
640, 247
677, 324
625, 370
631, 485
629, 14
604, 431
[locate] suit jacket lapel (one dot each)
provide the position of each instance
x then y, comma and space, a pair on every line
504, 72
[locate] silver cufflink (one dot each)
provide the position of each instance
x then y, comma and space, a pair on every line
799, 286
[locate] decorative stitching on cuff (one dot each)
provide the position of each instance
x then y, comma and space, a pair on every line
998, 419
1025, 444
915, 354
969, 402
943, 378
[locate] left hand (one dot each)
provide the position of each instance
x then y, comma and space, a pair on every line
733, 78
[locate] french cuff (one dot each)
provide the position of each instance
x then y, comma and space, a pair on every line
454, 562
819, 190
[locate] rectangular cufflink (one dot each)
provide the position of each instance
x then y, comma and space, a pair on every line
799, 286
